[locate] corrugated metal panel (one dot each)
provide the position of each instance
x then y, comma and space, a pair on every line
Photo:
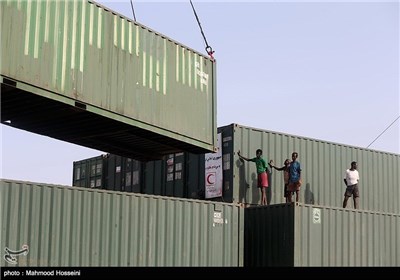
174, 183
337, 237
177, 175
195, 177
269, 236
79, 174
82, 227
90, 173
323, 165
122, 174
304, 235
154, 177
77, 60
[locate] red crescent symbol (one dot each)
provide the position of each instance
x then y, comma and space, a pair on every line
210, 179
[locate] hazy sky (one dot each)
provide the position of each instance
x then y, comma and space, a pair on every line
327, 71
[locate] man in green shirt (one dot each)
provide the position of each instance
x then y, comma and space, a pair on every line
262, 178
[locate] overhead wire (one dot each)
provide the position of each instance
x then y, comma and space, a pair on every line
383, 131
133, 11
209, 49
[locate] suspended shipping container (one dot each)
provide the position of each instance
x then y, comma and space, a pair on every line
306, 235
79, 72
63, 226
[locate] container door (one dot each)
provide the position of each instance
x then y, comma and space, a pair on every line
194, 174
169, 172
217, 237
227, 163
114, 173
315, 236
153, 177
136, 176
81, 174
96, 172
179, 175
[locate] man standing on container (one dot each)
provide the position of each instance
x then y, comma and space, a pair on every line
351, 178
285, 169
262, 178
294, 177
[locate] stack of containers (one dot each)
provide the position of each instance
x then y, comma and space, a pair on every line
323, 164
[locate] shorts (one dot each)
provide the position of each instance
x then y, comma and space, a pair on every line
262, 180
352, 190
294, 186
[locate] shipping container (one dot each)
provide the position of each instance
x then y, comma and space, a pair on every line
63, 226
305, 235
176, 175
90, 173
122, 174
79, 72
154, 177
323, 166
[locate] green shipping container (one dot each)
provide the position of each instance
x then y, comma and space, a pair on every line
78, 72
305, 235
64, 226
89, 173
323, 166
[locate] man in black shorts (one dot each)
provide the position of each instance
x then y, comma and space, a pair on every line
351, 178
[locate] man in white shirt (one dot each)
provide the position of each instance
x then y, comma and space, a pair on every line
351, 178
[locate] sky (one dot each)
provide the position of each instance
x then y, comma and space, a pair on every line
324, 70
